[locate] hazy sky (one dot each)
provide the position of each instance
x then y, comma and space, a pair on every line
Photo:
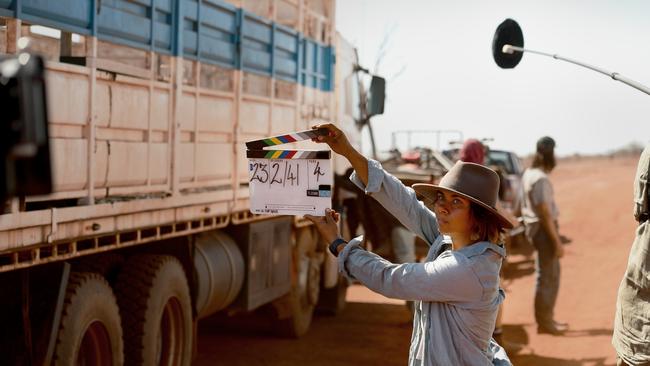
450, 81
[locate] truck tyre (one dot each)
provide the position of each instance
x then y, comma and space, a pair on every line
332, 300
106, 264
295, 309
154, 300
90, 332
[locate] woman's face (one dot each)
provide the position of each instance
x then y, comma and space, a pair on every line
453, 213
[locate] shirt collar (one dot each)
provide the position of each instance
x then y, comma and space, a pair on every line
443, 242
480, 247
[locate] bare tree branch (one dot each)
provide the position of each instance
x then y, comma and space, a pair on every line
384, 47
397, 74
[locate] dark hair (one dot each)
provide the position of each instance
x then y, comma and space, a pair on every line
486, 226
545, 161
504, 183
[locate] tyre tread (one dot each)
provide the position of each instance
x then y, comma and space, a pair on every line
133, 289
76, 282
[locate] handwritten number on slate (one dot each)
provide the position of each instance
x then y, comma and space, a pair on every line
260, 168
317, 171
277, 169
290, 176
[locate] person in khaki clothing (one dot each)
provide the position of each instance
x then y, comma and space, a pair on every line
540, 214
631, 337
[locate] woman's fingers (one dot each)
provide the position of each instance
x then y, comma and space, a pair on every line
335, 139
329, 126
331, 216
310, 218
336, 216
326, 225
333, 132
328, 216
316, 220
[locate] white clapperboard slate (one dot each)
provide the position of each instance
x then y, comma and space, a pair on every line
289, 182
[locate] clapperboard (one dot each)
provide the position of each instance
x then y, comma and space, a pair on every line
289, 182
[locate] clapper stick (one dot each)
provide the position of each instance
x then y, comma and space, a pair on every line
285, 139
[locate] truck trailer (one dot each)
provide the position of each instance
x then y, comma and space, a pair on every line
147, 229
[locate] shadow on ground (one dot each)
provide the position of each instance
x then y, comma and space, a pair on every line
551, 361
516, 333
363, 334
589, 332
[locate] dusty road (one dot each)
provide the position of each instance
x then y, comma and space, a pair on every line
595, 200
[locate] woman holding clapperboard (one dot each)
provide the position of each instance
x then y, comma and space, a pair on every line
456, 288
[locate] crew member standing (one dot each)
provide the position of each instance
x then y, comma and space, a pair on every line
632, 323
540, 215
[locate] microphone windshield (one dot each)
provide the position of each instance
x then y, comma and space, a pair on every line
507, 33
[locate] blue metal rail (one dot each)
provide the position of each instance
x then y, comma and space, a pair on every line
209, 31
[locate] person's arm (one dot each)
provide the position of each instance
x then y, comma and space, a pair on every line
548, 224
447, 279
339, 143
391, 193
400, 201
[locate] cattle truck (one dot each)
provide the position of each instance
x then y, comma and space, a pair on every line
147, 229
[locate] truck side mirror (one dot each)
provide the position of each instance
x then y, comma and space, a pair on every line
377, 96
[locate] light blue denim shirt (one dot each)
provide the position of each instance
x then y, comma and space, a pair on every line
456, 293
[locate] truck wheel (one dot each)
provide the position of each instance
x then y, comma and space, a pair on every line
295, 309
106, 264
90, 332
332, 300
156, 310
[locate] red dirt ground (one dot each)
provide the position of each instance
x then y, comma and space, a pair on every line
595, 201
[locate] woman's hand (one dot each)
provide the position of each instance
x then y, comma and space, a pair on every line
340, 144
326, 225
336, 139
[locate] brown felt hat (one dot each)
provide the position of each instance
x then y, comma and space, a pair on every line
475, 182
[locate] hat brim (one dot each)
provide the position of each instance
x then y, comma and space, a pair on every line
428, 191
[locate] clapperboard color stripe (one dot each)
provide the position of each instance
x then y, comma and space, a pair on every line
288, 154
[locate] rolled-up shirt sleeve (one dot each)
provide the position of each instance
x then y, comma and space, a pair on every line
400, 201
449, 278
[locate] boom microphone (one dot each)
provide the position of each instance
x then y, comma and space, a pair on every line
508, 49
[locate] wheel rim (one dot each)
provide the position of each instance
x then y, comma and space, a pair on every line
95, 348
169, 345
